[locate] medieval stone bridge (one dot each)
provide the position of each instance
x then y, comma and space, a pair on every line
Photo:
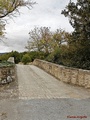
40, 96
35, 83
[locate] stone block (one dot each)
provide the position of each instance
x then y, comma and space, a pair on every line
87, 79
81, 77
11, 59
56, 71
74, 76
6, 74
66, 75
60, 73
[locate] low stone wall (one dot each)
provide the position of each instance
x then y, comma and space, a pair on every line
66, 74
7, 74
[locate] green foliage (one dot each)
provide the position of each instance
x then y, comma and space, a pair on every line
7, 7
33, 55
40, 39
78, 51
60, 37
44, 40
6, 64
26, 59
10, 8
77, 57
4, 57
21, 57
79, 16
37, 55
55, 56
16, 56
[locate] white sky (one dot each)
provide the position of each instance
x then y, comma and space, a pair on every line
47, 13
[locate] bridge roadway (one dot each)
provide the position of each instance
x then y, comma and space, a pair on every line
43, 97
35, 83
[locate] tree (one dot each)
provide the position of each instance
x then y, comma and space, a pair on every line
60, 37
10, 8
78, 53
40, 40
16, 56
46, 39
7, 7
34, 43
79, 18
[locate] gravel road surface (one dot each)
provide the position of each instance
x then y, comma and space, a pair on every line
35, 83
43, 97
45, 109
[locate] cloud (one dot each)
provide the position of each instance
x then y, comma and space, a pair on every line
45, 13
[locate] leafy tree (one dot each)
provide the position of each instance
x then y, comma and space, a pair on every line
40, 40
46, 39
7, 7
78, 53
79, 17
34, 43
10, 8
60, 37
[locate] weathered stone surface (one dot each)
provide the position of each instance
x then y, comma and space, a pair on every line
66, 75
87, 79
81, 78
60, 73
7, 74
69, 75
74, 76
11, 59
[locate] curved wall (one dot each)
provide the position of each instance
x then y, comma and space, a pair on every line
66, 74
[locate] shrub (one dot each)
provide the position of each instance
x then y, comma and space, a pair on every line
55, 56
26, 59
37, 55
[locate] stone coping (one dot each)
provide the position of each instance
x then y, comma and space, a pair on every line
68, 75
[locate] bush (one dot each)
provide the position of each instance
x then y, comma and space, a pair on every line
37, 55
26, 59
76, 56
6, 64
4, 57
55, 56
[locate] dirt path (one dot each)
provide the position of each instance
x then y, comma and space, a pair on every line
35, 83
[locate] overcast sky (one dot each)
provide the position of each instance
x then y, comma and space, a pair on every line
47, 13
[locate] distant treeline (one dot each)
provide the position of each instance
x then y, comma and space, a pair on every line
24, 57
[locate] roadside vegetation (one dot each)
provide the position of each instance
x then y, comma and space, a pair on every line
61, 47
6, 64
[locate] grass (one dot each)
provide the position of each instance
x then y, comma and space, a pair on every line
6, 64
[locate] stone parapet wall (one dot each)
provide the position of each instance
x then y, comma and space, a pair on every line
7, 74
66, 74
11, 59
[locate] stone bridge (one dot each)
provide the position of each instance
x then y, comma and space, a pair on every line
66, 74
37, 95
63, 81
